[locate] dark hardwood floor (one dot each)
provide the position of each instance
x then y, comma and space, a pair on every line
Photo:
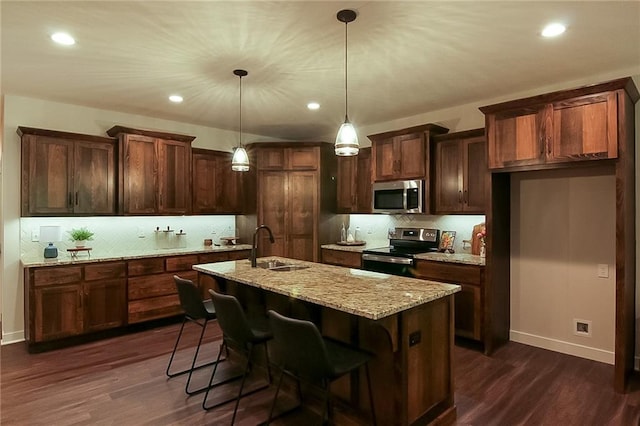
121, 381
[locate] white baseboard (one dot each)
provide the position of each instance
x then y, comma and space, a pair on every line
574, 349
15, 337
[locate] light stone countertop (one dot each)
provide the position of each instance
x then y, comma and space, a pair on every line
464, 258
64, 258
367, 294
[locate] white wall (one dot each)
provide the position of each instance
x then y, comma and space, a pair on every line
563, 226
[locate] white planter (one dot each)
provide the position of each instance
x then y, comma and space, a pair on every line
80, 243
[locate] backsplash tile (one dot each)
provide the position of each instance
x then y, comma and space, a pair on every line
374, 227
117, 234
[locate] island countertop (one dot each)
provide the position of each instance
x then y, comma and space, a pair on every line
363, 293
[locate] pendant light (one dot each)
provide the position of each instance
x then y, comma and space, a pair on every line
240, 161
347, 138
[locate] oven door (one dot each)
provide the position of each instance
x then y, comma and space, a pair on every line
393, 265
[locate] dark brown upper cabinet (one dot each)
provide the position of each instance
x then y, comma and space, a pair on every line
354, 187
460, 175
155, 171
402, 154
67, 173
216, 188
561, 127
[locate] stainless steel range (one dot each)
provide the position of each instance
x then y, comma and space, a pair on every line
398, 257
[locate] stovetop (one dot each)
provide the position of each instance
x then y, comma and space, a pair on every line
399, 251
407, 242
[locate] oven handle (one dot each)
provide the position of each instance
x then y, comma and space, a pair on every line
387, 259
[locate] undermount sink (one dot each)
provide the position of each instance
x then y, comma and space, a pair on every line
276, 265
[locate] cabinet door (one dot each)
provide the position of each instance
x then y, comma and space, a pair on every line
58, 311
50, 176
448, 177
386, 162
410, 152
140, 170
584, 128
347, 184
205, 183
302, 211
94, 179
174, 159
271, 158
475, 175
515, 138
304, 158
468, 312
228, 186
106, 304
271, 212
363, 177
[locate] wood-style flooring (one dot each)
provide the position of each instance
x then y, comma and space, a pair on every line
121, 381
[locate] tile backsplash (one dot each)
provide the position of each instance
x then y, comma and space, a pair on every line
117, 234
374, 227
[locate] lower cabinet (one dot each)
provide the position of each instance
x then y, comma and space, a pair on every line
469, 308
67, 301
349, 259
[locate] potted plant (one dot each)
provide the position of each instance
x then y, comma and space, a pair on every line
80, 236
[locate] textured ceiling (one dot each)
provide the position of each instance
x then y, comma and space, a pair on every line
405, 58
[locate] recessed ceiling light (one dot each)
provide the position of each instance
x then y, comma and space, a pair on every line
175, 98
313, 105
553, 30
63, 38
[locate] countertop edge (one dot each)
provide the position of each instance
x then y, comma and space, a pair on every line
29, 263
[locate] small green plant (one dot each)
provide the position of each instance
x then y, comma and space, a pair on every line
81, 234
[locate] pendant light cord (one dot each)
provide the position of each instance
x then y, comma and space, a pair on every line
346, 67
241, 111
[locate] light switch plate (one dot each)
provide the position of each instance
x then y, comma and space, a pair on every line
35, 235
603, 270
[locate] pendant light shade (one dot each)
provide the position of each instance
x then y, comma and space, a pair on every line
240, 161
347, 138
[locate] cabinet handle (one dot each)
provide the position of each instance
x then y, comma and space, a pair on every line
549, 145
542, 147
466, 196
76, 198
70, 200
460, 196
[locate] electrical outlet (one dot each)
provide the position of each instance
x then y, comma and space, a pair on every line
369, 230
35, 235
213, 231
603, 270
582, 327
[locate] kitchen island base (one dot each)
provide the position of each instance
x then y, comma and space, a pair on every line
412, 371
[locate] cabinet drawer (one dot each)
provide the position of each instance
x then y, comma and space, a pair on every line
239, 254
103, 271
181, 263
153, 308
349, 259
145, 266
449, 272
49, 275
156, 285
213, 257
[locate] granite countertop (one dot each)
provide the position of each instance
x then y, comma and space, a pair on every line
65, 259
464, 258
367, 294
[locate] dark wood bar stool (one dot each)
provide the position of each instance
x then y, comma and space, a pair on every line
197, 312
242, 335
301, 352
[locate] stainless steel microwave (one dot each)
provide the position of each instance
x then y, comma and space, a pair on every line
398, 197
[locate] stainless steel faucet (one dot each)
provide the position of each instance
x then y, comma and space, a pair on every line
254, 251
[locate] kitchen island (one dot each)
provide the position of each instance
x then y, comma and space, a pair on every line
407, 323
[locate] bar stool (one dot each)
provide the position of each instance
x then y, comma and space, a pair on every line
302, 353
242, 335
197, 312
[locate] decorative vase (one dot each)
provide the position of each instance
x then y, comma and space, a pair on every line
80, 243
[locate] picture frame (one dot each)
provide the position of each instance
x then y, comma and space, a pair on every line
447, 238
